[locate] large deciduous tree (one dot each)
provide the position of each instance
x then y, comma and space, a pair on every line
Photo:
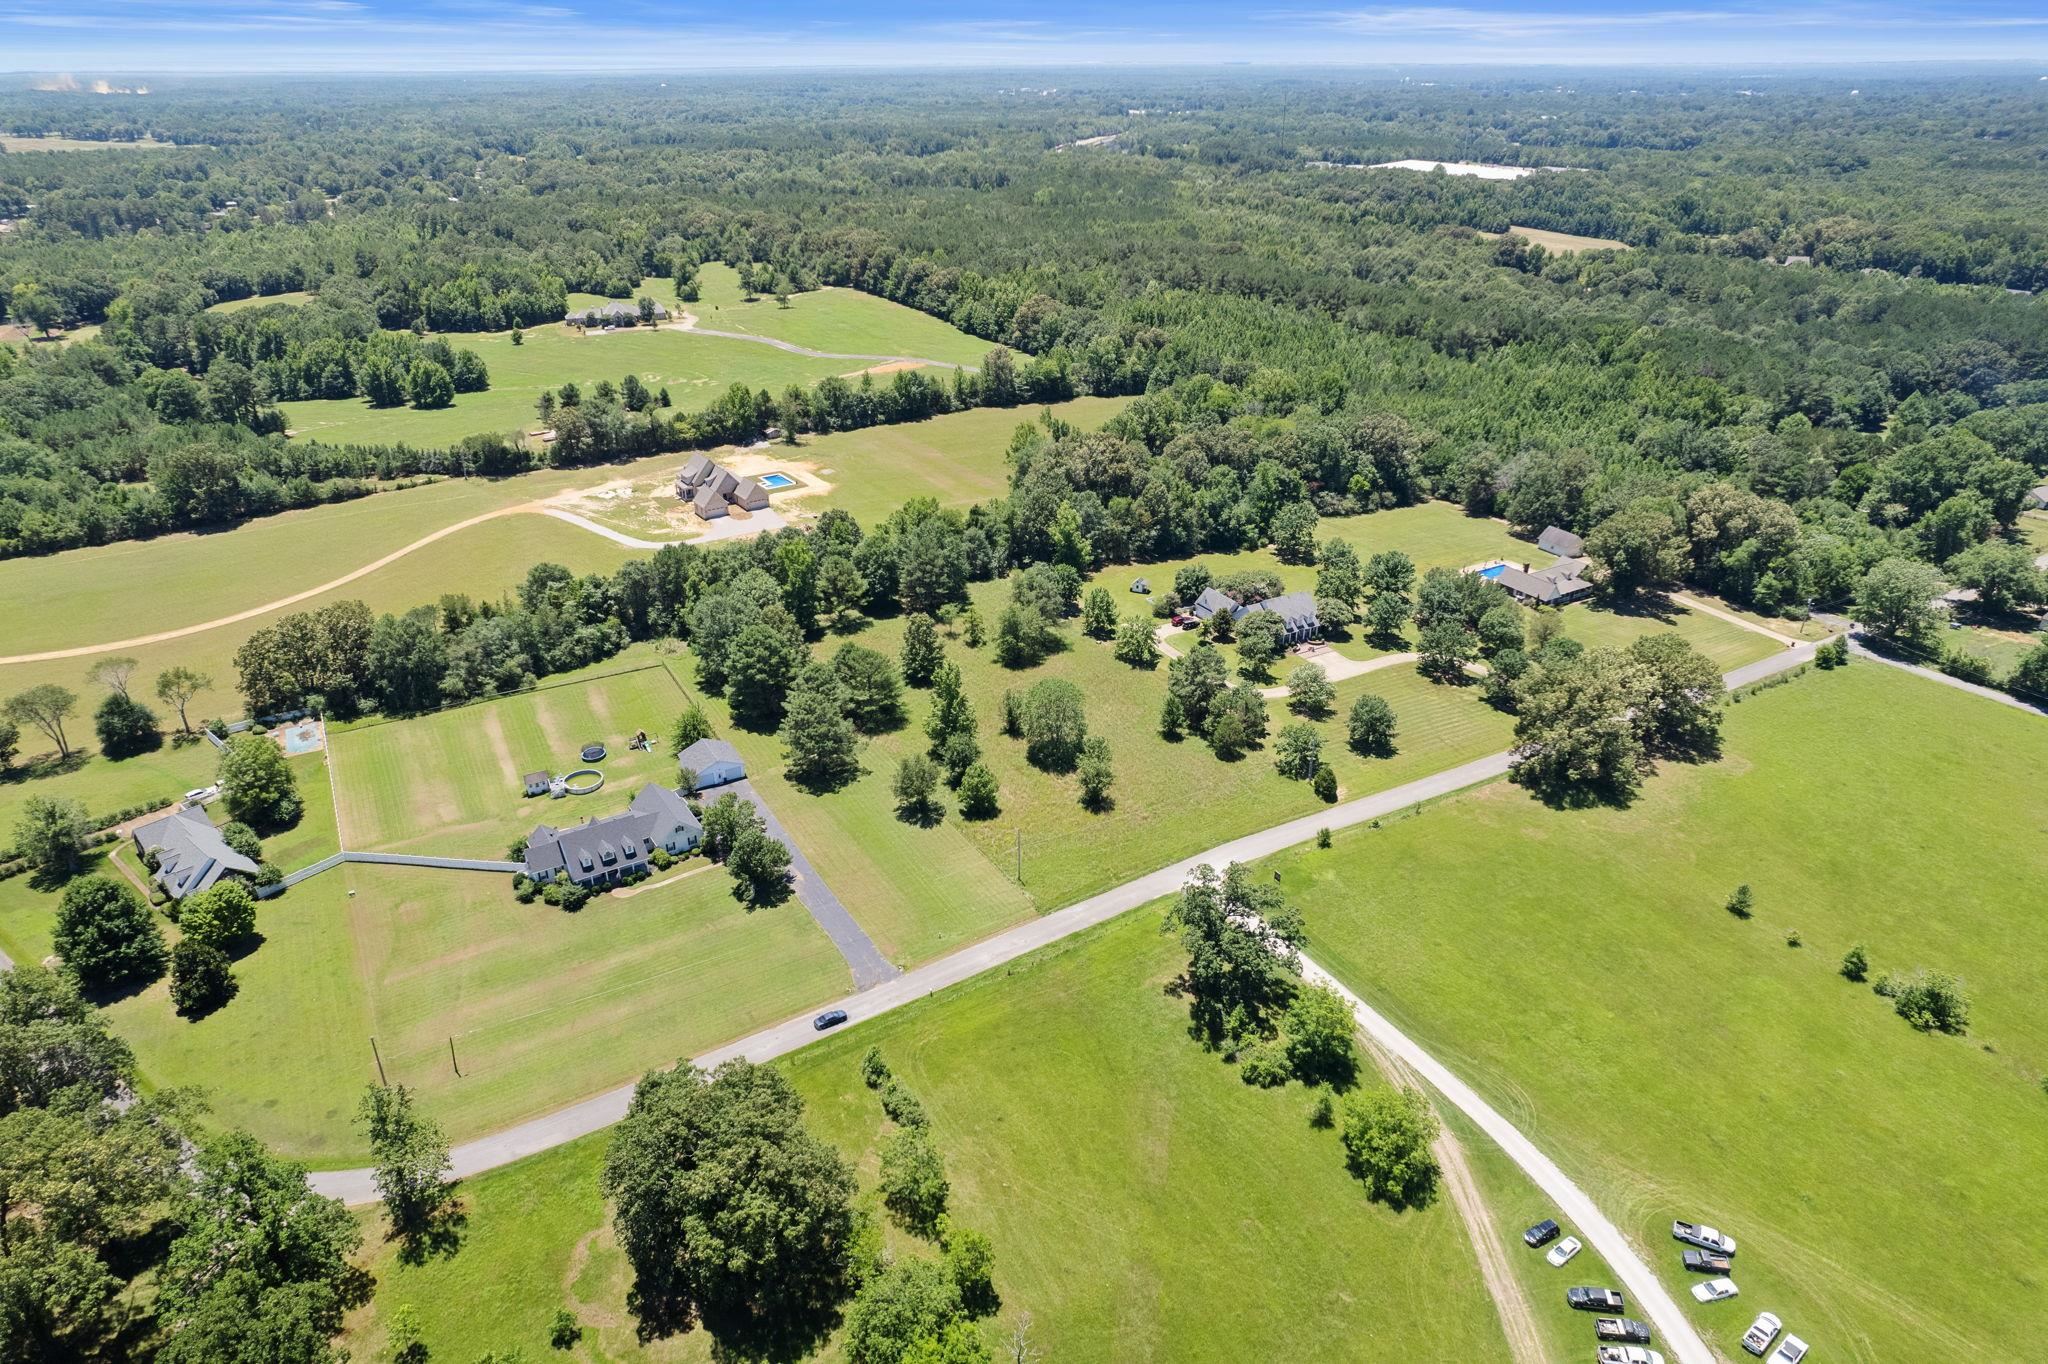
50, 833
177, 687
1243, 942
409, 1156
257, 783
107, 936
1899, 599
46, 707
1387, 1137
731, 1214
1577, 736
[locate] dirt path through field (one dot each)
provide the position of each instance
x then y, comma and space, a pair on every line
1525, 1342
761, 521
160, 636
689, 320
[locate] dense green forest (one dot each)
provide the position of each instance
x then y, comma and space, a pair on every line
1350, 330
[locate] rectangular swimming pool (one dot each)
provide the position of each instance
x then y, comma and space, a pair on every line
776, 481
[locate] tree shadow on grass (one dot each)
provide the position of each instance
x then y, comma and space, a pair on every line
44, 765
922, 814
1644, 606
439, 1235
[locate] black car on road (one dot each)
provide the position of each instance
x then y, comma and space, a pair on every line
831, 1018
1542, 1234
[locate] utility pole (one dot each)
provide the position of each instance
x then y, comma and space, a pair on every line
1020, 857
380, 1064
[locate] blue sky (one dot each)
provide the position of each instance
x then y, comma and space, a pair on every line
120, 39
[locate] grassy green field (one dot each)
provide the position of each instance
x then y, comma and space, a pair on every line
1729, 646
846, 321
960, 458
485, 560
236, 305
449, 783
1145, 1205
1580, 970
104, 785
544, 1007
2002, 649
694, 369
9, 142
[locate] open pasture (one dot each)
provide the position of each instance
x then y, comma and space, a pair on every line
1580, 969
543, 1007
846, 321
694, 369
485, 560
1144, 1204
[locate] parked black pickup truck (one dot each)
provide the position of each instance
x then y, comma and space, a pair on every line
1707, 1262
1594, 1299
1622, 1328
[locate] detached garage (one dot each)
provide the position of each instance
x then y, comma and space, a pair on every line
710, 762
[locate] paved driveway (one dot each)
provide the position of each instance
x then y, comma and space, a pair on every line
869, 966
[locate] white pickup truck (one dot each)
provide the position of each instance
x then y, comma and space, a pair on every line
1706, 1238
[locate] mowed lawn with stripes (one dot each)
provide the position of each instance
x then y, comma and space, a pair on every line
449, 784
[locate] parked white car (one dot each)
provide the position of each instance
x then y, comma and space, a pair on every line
201, 794
1790, 1351
1627, 1354
1761, 1333
1563, 1251
1715, 1290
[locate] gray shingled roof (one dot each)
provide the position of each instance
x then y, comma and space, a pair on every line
1561, 542
601, 844
191, 855
1210, 602
702, 754
1296, 609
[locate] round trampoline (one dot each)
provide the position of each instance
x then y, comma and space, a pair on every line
595, 779
593, 753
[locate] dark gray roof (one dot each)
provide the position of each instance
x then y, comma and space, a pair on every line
1544, 587
1561, 542
1210, 602
695, 470
601, 844
1295, 608
191, 855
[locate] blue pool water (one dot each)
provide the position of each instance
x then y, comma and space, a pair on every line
777, 481
1493, 571
303, 738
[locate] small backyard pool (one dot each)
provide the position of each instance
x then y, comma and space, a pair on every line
304, 737
1493, 570
773, 481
